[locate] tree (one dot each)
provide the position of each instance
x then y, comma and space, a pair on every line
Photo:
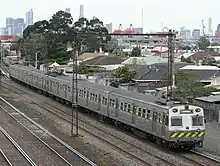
32, 44
111, 45
203, 43
188, 87
187, 60
208, 61
125, 74
136, 52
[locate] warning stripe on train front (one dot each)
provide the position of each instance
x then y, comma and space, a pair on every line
186, 134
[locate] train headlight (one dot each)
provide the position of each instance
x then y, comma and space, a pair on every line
175, 110
198, 110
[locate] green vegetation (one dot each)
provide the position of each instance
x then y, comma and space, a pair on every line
51, 39
203, 43
136, 52
125, 74
188, 87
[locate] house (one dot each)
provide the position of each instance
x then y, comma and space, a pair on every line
205, 74
211, 106
104, 62
201, 54
146, 60
149, 77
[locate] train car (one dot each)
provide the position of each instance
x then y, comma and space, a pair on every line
172, 125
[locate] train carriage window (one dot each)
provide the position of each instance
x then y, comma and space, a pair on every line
84, 94
159, 118
106, 100
197, 120
121, 106
125, 107
139, 111
143, 113
176, 121
103, 100
96, 98
155, 117
129, 108
93, 97
90, 96
149, 115
68, 89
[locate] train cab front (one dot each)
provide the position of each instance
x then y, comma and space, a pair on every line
186, 126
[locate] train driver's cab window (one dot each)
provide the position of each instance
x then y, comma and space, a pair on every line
176, 121
197, 120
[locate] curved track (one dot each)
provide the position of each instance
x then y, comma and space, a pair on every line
26, 121
123, 145
143, 156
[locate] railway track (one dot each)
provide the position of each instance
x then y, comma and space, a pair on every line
142, 155
200, 159
122, 144
4, 159
53, 143
14, 154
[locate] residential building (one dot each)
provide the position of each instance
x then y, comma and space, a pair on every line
104, 62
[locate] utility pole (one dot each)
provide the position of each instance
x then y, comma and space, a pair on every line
1, 65
171, 70
36, 60
75, 89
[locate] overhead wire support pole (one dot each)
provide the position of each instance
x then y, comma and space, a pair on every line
73, 85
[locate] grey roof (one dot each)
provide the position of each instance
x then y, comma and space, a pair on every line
155, 71
204, 74
104, 60
210, 99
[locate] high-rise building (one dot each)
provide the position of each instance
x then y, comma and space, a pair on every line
29, 18
109, 27
210, 25
196, 34
81, 12
4, 31
68, 10
10, 25
19, 26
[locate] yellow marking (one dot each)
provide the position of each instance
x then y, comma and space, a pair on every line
194, 134
201, 134
174, 135
188, 134
182, 134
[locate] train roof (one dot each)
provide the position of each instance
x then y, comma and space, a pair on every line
120, 92
99, 87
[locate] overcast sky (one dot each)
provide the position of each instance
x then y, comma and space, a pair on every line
173, 13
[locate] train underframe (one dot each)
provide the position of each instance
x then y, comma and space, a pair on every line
146, 136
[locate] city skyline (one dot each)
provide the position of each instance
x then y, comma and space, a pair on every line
123, 12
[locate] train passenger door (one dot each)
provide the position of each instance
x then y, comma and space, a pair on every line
134, 113
154, 122
163, 124
117, 107
87, 98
